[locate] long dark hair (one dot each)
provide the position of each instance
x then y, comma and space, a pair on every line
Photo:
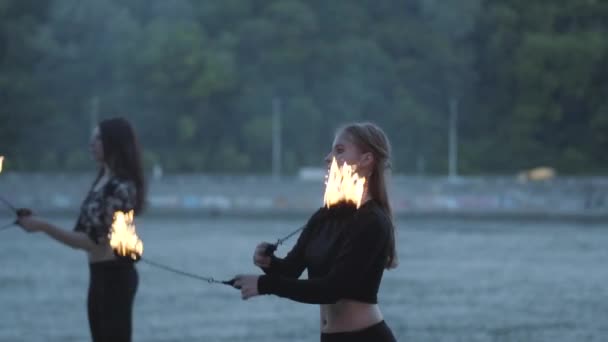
368, 137
122, 154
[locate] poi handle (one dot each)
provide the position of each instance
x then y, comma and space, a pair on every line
23, 212
270, 249
231, 283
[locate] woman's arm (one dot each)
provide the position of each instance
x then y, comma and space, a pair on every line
294, 263
77, 240
366, 243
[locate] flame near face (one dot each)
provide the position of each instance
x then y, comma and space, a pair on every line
123, 238
343, 185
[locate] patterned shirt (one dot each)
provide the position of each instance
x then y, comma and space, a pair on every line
97, 210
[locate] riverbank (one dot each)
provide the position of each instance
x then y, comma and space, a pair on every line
578, 199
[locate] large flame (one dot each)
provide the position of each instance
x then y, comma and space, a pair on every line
343, 184
123, 238
1, 161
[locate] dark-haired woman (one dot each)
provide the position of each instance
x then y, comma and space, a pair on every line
119, 186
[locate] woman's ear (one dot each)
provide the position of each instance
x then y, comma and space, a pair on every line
367, 159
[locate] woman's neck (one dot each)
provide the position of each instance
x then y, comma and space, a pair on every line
107, 172
366, 196
105, 176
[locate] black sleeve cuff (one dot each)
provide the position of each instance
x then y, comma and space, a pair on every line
265, 284
274, 261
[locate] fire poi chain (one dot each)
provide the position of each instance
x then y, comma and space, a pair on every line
343, 185
125, 243
18, 212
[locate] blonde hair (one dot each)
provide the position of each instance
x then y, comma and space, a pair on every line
368, 137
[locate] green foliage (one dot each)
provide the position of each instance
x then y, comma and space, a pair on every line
543, 71
198, 80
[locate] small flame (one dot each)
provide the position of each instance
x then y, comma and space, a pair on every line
1, 161
343, 184
123, 238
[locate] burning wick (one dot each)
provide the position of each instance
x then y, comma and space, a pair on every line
343, 185
123, 238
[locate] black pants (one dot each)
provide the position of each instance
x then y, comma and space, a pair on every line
110, 303
378, 332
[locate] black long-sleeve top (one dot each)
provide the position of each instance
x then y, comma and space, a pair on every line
345, 256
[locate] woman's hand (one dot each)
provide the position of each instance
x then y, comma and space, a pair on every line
260, 258
31, 224
72, 239
248, 284
24, 212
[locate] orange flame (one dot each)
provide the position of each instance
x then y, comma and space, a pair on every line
123, 238
343, 184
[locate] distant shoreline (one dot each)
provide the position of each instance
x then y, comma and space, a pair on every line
172, 214
580, 199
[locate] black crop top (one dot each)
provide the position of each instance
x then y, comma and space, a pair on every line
97, 210
345, 258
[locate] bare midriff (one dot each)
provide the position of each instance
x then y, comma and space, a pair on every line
102, 252
349, 315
